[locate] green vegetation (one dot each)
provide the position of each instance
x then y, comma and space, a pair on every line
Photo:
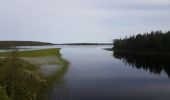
35, 53
8, 44
3, 95
20, 80
154, 42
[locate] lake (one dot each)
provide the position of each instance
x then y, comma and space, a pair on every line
97, 74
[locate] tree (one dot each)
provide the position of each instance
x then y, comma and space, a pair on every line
148, 42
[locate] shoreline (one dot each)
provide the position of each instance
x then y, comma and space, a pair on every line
142, 53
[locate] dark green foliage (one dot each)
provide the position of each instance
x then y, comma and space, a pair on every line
3, 95
20, 80
7, 44
148, 42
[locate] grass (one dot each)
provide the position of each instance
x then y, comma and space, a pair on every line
20, 80
35, 53
30, 82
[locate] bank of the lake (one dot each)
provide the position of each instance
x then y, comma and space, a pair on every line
34, 53
23, 73
141, 53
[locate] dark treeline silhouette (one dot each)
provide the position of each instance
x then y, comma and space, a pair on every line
7, 44
153, 63
157, 41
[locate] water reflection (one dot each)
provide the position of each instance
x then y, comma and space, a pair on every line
58, 89
94, 74
153, 63
56, 81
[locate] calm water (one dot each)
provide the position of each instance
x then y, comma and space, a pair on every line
97, 74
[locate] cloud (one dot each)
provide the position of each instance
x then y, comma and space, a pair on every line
80, 20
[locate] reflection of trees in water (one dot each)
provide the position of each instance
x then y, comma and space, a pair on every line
154, 63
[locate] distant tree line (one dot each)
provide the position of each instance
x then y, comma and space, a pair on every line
86, 44
7, 44
155, 41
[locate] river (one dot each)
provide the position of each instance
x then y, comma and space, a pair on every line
98, 74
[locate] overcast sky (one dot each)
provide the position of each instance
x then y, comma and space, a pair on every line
61, 21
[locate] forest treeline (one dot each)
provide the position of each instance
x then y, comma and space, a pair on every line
155, 41
7, 44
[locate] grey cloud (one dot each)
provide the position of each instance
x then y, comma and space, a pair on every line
80, 20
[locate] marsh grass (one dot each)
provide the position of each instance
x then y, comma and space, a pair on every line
21, 79
35, 53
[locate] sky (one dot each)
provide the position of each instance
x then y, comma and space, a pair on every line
68, 21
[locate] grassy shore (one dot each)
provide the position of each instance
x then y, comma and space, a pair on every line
35, 53
22, 80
